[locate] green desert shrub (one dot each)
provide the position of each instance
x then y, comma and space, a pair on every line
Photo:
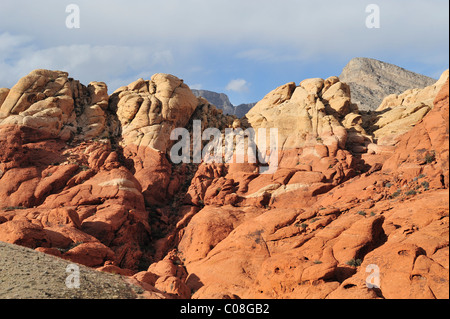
354, 262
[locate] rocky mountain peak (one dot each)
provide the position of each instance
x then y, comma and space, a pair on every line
221, 101
371, 80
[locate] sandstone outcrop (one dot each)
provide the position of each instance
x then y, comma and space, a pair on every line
395, 214
51, 105
45, 168
148, 111
307, 113
397, 114
87, 177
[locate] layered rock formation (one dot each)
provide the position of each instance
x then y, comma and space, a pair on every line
86, 176
397, 114
148, 111
305, 114
319, 246
54, 106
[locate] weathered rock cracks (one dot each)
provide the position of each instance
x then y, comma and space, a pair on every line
87, 177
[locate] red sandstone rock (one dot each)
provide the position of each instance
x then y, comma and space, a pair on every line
91, 254
24, 233
427, 143
307, 231
147, 277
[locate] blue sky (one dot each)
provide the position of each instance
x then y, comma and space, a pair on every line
244, 48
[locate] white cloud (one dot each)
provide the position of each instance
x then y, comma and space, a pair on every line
9, 43
120, 39
238, 85
315, 26
114, 64
196, 86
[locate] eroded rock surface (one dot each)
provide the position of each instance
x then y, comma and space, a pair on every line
87, 177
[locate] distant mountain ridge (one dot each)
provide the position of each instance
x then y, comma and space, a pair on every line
222, 101
371, 81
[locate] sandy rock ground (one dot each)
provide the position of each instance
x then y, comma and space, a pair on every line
28, 274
